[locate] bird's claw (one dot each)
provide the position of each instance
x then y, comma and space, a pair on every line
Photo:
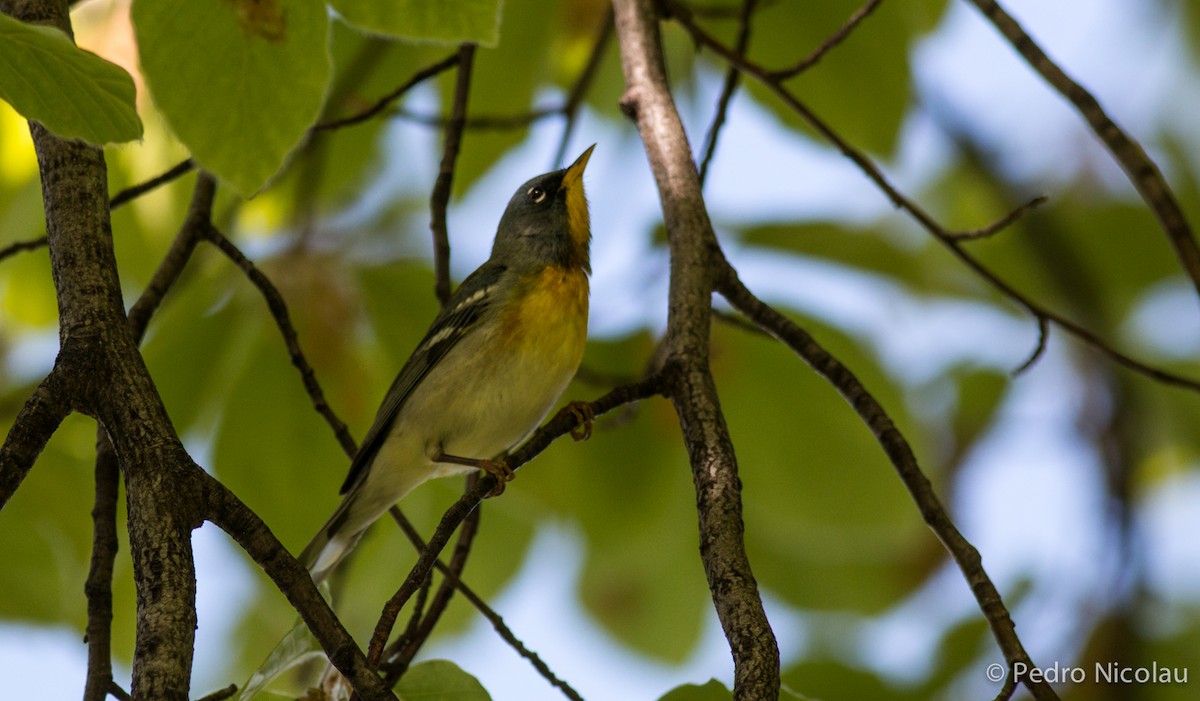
582, 411
501, 471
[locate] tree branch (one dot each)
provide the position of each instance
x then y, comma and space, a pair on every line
198, 217
130, 193
1129, 154
19, 246
829, 44
98, 587
225, 510
488, 612
570, 109
732, 78
901, 455
439, 199
387, 100
556, 427
38, 419
279, 312
693, 253
943, 235
401, 653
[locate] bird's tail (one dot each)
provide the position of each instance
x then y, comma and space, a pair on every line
332, 543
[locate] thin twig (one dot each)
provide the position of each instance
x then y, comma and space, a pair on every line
1038, 350
561, 424
386, 101
279, 311
732, 79
114, 690
121, 198
900, 453
17, 247
1008, 689
488, 612
221, 694
829, 44
128, 194
400, 655
198, 218
570, 109
484, 122
868, 167
98, 586
439, 199
998, 225
1129, 154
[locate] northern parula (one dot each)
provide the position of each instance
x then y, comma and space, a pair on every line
491, 366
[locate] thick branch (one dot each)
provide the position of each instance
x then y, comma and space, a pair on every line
694, 252
244, 526
99, 361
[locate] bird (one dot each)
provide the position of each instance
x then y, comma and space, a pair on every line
493, 363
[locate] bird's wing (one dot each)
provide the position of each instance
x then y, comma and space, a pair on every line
464, 310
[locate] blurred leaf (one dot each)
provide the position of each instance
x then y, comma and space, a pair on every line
921, 265
446, 21
504, 81
828, 524
712, 690
440, 680
55, 549
50, 560
827, 679
74, 93
784, 33
979, 394
259, 87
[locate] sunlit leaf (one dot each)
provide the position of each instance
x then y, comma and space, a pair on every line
259, 87
73, 92
448, 22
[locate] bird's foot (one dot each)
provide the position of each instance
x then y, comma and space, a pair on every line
582, 411
501, 471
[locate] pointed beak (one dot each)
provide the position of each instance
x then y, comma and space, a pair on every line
574, 173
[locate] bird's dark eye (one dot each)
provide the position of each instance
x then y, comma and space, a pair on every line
537, 195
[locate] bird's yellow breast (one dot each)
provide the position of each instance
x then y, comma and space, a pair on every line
550, 320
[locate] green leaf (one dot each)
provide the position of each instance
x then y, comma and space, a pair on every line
828, 524
713, 690
440, 680
784, 33
443, 22
296, 647
238, 81
72, 92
